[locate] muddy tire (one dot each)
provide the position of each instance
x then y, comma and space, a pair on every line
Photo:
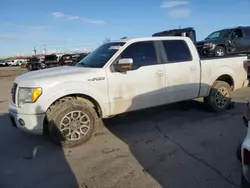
219, 97
71, 123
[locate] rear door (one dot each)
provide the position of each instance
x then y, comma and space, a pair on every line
182, 71
238, 40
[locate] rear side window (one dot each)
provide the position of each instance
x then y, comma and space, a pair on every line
177, 51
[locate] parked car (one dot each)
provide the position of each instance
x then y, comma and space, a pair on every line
226, 41
34, 63
78, 57
11, 63
3, 63
120, 77
185, 32
51, 61
65, 60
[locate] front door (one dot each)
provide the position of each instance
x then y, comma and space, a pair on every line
140, 87
182, 71
238, 41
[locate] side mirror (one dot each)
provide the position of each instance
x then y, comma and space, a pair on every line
123, 65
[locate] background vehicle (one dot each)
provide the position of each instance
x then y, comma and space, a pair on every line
51, 61
243, 152
185, 32
119, 77
226, 41
13, 63
34, 63
3, 63
78, 57
65, 60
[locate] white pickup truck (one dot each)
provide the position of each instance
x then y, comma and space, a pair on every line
118, 77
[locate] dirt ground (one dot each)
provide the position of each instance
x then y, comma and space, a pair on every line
174, 146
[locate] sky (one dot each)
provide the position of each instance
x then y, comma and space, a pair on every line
63, 25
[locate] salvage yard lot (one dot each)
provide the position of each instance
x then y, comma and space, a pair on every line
174, 146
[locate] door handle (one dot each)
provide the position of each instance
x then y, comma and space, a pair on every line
193, 68
159, 73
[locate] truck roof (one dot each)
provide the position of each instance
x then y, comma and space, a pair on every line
151, 39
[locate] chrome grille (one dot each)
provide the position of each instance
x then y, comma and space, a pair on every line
13, 93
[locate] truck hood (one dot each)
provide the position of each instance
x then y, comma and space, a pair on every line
52, 76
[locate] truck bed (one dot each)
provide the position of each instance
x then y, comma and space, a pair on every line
226, 56
232, 66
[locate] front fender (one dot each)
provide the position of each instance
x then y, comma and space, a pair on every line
50, 95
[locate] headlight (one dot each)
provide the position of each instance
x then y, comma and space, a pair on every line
209, 44
28, 95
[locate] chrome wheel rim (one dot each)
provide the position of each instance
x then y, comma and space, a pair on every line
222, 97
75, 125
220, 52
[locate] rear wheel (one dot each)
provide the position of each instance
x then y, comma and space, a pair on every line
72, 123
220, 51
219, 98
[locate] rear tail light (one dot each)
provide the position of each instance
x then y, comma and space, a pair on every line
246, 156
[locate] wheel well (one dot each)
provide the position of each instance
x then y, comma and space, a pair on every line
222, 45
87, 99
228, 79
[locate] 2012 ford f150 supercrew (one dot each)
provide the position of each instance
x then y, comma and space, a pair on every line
118, 77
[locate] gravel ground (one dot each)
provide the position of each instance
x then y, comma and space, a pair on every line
174, 146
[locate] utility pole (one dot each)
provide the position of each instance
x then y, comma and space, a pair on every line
44, 49
35, 50
65, 44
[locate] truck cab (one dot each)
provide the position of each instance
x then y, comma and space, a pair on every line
120, 77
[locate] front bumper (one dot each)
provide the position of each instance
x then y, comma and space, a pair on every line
206, 51
31, 123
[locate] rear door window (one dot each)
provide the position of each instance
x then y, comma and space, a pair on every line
177, 51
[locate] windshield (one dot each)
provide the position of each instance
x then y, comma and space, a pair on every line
219, 34
99, 57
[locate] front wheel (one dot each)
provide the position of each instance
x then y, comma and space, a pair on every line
219, 97
72, 123
42, 66
220, 51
